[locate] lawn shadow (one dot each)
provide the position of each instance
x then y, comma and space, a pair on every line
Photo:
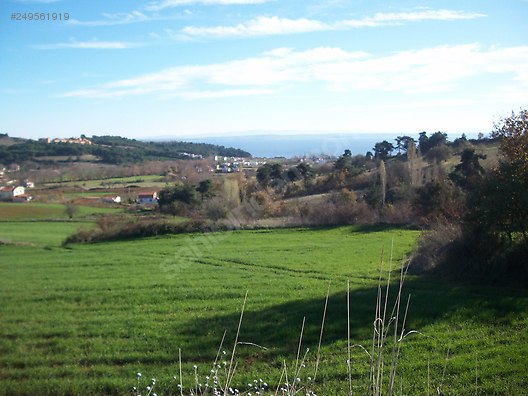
277, 327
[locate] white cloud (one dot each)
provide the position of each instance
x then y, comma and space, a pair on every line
274, 25
423, 15
88, 45
160, 5
261, 26
428, 70
225, 93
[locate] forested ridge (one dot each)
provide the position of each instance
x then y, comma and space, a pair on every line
111, 150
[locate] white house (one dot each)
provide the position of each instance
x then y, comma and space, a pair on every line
147, 198
8, 193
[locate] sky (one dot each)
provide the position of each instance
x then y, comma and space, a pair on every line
191, 68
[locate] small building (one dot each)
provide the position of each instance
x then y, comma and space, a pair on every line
29, 184
147, 198
8, 193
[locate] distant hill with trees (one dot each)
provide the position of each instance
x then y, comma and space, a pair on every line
110, 150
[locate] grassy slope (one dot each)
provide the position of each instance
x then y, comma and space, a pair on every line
84, 320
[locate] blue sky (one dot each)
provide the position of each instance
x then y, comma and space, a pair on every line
223, 67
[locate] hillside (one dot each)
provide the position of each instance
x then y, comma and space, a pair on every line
109, 150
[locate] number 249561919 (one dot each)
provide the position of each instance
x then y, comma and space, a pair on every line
40, 16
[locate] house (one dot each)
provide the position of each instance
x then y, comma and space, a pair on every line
8, 193
147, 198
29, 184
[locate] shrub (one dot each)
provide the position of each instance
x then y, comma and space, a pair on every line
216, 209
398, 213
140, 229
434, 246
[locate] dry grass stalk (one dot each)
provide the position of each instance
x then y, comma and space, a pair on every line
349, 368
231, 370
317, 360
180, 364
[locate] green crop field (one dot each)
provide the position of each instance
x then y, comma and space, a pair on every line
39, 211
84, 319
41, 233
115, 182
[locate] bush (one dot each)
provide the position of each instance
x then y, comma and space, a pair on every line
140, 229
398, 213
338, 209
433, 248
216, 209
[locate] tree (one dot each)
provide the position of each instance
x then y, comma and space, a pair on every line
437, 139
468, 172
304, 169
440, 200
402, 143
70, 209
184, 193
513, 135
438, 154
344, 162
293, 174
383, 150
423, 142
427, 143
383, 181
498, 209
264, 175
511, 176
205, 188
276, 171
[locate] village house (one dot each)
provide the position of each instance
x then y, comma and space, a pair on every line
8, 193
146, 198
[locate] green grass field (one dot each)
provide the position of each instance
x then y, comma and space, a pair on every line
115, 182
41, 233
85, 319
11, 211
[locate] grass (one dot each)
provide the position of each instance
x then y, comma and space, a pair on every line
39, 211
153, 181
84, 320
41, 233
